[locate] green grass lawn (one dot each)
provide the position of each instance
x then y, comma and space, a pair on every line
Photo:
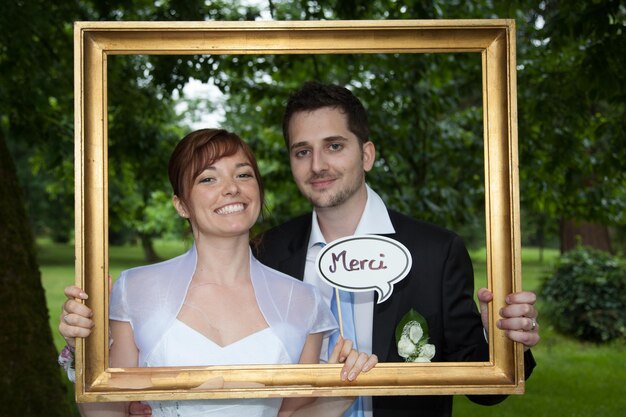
571, 379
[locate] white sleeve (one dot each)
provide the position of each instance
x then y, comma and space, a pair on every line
117, 303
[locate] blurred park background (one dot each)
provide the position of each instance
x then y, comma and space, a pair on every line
426, 120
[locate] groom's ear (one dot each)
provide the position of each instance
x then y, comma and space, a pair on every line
369, 155
180, 207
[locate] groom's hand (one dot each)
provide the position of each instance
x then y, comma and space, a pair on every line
518, 317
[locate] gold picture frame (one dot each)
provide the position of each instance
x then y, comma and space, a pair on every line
494, 39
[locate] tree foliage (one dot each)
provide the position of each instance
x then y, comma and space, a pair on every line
425, 113
572, 111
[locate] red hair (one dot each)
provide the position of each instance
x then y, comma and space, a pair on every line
200, 149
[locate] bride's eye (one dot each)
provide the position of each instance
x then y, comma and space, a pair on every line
206, 180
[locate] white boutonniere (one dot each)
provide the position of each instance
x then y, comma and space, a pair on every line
412, 338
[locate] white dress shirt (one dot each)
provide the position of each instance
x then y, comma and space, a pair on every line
374, 220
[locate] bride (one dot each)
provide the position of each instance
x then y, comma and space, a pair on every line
188, 311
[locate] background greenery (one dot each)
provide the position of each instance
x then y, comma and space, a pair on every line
425, 111
586, 295
426, 120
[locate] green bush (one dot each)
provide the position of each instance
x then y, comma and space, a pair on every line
586, 295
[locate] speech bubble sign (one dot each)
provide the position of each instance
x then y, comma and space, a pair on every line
364, 263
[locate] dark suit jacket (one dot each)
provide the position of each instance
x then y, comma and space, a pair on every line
440, 286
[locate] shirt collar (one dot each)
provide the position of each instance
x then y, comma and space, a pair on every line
374, 220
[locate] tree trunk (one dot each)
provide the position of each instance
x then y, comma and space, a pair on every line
148, 249
31, 382
575, 232
541, 235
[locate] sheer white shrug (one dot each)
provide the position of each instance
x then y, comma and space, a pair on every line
150, 298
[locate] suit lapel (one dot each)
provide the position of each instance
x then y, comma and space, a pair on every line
295, 263
295, 260
384, 323
384, 327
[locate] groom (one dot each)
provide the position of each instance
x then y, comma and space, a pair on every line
327, 137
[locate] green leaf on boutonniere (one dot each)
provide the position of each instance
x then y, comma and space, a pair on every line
410, 316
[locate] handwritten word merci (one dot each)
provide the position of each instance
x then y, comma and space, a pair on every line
364, 263
356, 264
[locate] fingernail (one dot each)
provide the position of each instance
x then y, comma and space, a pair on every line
507, 299
352, 376
344, 375
83, 295
499, 324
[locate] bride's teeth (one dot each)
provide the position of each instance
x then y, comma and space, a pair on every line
230, 209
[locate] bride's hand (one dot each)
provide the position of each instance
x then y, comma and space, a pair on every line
75, 319
354, 362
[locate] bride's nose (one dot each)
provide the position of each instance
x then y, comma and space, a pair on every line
231, 188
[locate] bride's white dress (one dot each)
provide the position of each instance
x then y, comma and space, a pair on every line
184, 346
150, 298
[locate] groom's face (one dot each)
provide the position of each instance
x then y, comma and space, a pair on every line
327, 160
